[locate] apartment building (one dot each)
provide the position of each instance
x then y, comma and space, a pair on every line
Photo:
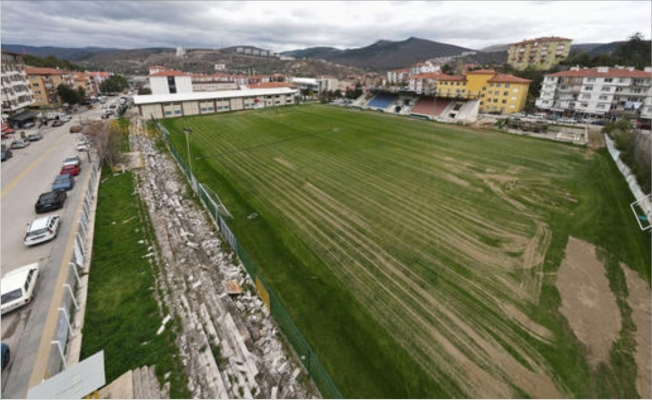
84, 81
424, 67
497, 93
44, 83
398, 76
327, 83
600, 91
541, 53
167, 81
15, 87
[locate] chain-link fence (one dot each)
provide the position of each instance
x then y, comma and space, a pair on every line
293, 336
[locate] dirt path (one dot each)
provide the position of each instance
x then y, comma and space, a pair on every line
639, 301
587, 301
229, 344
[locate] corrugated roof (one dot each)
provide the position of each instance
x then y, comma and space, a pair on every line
223, 94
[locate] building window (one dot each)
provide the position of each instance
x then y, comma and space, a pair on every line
586, 96
506, 93
491, 85
515, 90
606, 88
590, 80
603, 97
608, 80
507, 85
589, 88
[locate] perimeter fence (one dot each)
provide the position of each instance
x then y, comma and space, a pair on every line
316, 372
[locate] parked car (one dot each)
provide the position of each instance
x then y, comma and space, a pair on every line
75, 128
42, 230
33, 137
64, 117
70, 169
50, 201
6, 154
599, 122
18, 287
567, 121
5, 355
63, 182
82, 146
28, 125
19, 144
74, 160
57, 122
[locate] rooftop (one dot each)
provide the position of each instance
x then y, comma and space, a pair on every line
604, 72
198, 96
543, 40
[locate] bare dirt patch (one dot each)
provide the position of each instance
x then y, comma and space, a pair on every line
641, 304
587, 301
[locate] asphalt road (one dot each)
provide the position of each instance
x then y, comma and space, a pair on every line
27, 174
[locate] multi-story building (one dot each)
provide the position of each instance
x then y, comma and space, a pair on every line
600, 91
169, 81
541, 53
84, 81
398, 77
498, 93
327, 83
44, 83
16, 92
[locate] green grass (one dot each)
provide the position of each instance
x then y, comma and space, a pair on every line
397, 244
122, 315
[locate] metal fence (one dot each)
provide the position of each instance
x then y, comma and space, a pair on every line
293, 336
69, 305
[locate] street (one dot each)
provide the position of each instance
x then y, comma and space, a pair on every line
25, 176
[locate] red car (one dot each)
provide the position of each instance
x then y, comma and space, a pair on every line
70, 169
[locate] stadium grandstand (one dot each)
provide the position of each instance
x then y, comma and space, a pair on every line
381, 101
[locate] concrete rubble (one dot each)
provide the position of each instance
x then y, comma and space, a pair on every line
229, 344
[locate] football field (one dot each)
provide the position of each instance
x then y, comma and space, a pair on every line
418, 259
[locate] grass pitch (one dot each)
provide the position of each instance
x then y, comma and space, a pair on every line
417, 258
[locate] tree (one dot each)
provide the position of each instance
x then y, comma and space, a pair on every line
68, 95
114, 84
635, 52
144, 90
81, 92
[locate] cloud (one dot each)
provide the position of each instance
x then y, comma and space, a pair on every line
288, 25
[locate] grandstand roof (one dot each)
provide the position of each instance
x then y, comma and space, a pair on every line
609, 72
503, 78
542, 40
269, 85
199, 96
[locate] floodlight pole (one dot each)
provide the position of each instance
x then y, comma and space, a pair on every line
187, 131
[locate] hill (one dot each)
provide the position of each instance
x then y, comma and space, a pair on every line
137, 62
65, 53
384, 54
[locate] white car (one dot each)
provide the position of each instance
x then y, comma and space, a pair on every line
18, 287
74, 160
42, 230
82, 146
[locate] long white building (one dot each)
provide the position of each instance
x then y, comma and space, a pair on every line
16, 92
199, 103
600, 91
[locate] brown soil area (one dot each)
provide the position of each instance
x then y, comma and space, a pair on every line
587, 301
641, 304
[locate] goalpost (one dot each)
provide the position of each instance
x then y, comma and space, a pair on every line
642, 209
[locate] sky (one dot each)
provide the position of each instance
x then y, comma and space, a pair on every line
282, 26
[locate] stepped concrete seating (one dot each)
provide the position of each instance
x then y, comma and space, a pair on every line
428, 105
381, 100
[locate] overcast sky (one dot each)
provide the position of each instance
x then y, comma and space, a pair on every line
292, 25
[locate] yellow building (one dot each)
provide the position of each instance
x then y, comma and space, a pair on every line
83, 81
542, 53
44, 82
499, 93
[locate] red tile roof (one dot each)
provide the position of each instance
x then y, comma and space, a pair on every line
482, 72
460, 78
42, 71
170, 72
502, 78
430, 75
612, 72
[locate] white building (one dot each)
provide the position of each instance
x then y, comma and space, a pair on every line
327, 83
185, 104
170, 82
398, 76
601, 91
16, 92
